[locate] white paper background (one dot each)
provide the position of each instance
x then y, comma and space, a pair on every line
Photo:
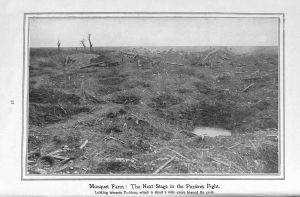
11, 65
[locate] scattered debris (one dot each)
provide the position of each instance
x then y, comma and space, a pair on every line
93, 65
234, 145
84, 144
143, 101
219, 161
180, 155
113, 138
164, 165
248, 87
174, 64
46, 161
91, 98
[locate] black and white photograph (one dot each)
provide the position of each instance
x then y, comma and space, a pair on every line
153, 96
149, 98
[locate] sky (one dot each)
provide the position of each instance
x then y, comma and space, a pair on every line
45, 32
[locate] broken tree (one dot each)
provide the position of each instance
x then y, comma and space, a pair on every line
58, 45
90, 42
82, 42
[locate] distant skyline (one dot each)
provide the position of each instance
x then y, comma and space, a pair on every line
45, 32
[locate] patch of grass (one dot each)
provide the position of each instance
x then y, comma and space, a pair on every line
104, 90
257, 79
34, 141
70, 139
67, 80
164, 101
184, 90
268, 153
200, 75
33, 72
48, 64
224, 79
187, 71
139, 145
268, 122
109, 72
32, 83
203, 88
262, 105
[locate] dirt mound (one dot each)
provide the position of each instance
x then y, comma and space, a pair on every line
113, 129
105, 59
46, 95
140, 145
136, 83
42, 53
72, 140
262, 105
204, 114
212, 57
146, 130
116, 113
117, 167
108, 72
111, 76
40, 114
221, 111
165, 101
224, 79
126, 99
100, 58
48, 64
49, 106
224, 110
70, 80
204, 88
113, 80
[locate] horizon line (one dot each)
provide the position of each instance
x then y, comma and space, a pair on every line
159, 46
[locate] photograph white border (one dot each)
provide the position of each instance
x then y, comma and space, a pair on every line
25, 96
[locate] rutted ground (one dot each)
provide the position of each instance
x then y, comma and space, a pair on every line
124, 117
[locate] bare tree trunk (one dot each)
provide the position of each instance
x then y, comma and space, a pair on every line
58, 46
90, 42
82, 42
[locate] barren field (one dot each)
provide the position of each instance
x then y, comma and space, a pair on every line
135, 111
